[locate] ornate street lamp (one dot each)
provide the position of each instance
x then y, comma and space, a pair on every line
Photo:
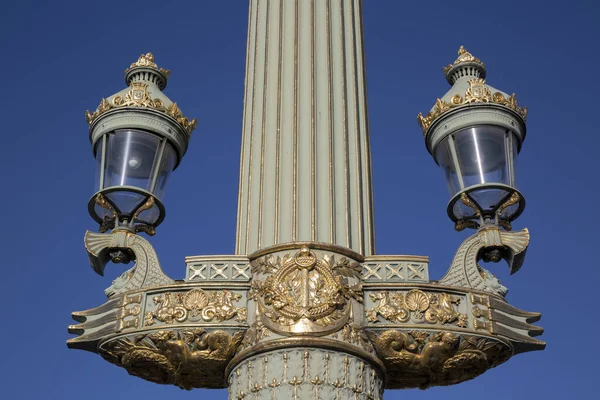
474, 133
138, 137
306, 309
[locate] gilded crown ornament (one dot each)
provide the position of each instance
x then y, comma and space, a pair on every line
142, 93
477, 92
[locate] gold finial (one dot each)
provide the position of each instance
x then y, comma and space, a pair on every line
147, 60
463, 56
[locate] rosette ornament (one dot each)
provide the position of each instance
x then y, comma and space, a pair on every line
139, 136
474, 133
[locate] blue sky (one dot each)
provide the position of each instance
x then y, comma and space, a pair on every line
59, 58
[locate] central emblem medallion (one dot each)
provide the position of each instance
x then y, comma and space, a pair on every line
305, 295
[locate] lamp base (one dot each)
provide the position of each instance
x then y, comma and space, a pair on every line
468, 208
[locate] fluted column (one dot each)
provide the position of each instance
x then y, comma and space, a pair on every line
305, 170
305, 373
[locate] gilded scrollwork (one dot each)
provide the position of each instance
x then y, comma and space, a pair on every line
418, 307
423, 359
188, 358
305, 294
195, 305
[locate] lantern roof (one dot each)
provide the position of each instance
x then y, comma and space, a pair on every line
143, 105
469, 89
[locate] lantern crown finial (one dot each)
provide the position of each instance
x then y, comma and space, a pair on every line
147, 61
465, 65
145, 69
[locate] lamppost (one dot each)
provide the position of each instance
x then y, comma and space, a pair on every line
306, 308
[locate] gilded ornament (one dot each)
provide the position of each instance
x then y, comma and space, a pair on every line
255, 334
511, 201
195, 305
462, 224
188, 358
467, 201
433, 308
108, 222
147, 60
195, 301
146, 206
463, 57
304, 294
416, 300
442, 310
423, 359
138, 96
354, 334
391, 307
481, 313
477, 92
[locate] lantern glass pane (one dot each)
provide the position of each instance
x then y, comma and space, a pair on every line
511, 143
443, 156
477, 159
98, 154
482, 155
164, 170
130, 159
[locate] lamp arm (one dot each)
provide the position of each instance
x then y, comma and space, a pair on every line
121, 246
464, 270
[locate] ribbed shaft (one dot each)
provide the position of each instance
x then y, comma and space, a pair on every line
305, 170
305, 374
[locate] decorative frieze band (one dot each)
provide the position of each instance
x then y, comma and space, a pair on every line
395, 269
217, 268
